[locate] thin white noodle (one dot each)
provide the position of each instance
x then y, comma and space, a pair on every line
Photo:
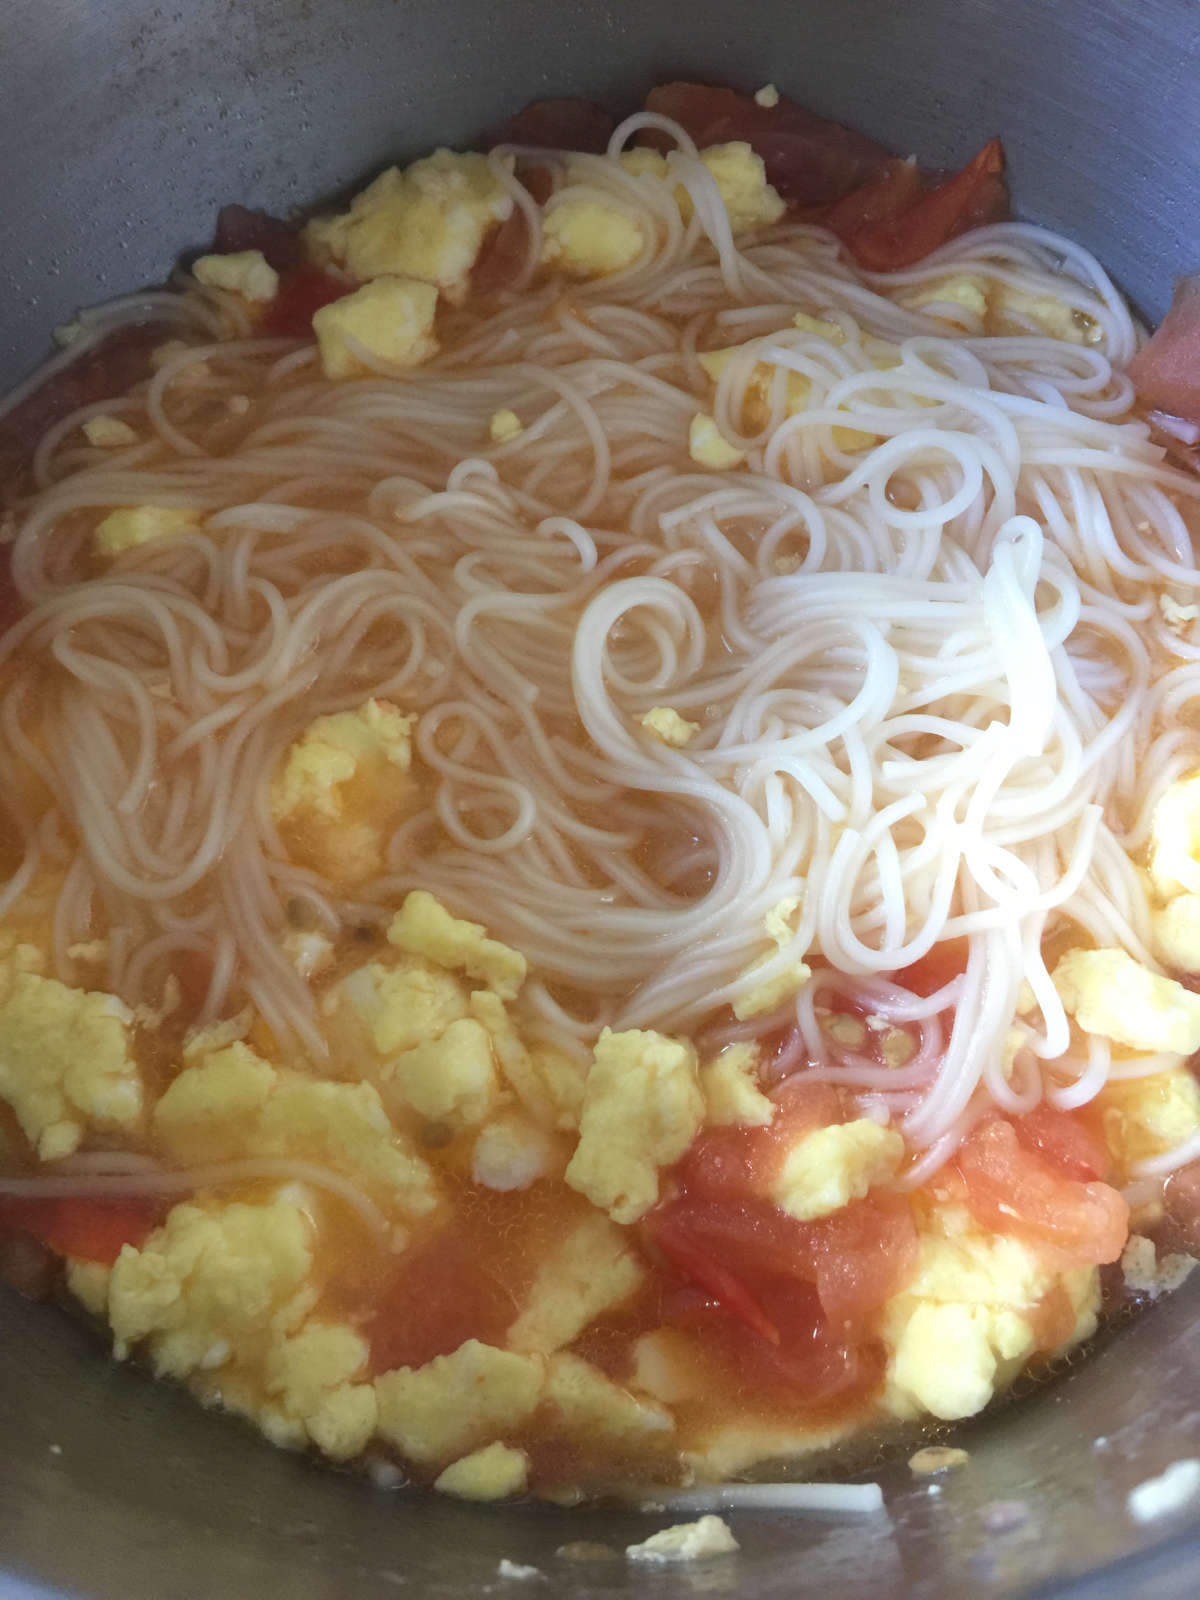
916, 632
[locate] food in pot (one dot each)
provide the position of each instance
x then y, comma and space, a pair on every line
601, 813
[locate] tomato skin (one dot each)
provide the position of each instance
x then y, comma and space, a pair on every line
678, 1241
1010, 1189
92, 1230
302, 291
855, 1259
899, 240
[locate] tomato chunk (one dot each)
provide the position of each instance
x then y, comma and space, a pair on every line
442, 1294
897, 188
739, 1163
808, 159
91, 1229
1065, 1141
565, 124
1011, 1189
302, 291
683, 1245
896, 241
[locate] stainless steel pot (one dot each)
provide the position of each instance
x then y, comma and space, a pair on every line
123, 125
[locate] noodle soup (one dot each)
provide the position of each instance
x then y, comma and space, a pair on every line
601, 807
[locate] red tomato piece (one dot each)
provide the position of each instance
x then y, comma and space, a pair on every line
739, 1163
670, 1231
864, 1253
900, 240
1013, 1190
93, 1230
302, 292
897, 188
443, 1293
1065, 1140
566, 124
502, 255
809, 1369
855, 1258
1166, 370
239, 228
811, 161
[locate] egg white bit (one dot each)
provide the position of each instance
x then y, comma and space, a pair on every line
846, 1499
1171, 1491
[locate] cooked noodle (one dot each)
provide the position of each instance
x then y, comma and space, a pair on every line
934, 690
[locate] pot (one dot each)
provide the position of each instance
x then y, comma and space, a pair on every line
124, 125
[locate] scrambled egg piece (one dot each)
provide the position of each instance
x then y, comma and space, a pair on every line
788, 977
309, 952
665, 1366
1174, 613
964, 1325
589, 1406
686, 1541
1006, 308
505, 425
390, 318
220, 1294
588, 238
108, 433
1145, 1272
731, 1092
130, 526
666, 724
404, 1006
451, 1076
960, 290
64, 1060
215, 1283
88, 1282
233, 1103
427, 222
1175, 839
757, 398
1110, 993
512, 1152
343, 785
1146, 1117
493, 1473
828, 1168
590, 1272
708, 446
423, 927
313, 1382
642, 1107
244, 272
456, 1403
1177, 932
767, 96
741, 177
545, 1081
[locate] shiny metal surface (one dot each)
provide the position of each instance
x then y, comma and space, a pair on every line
123, 125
